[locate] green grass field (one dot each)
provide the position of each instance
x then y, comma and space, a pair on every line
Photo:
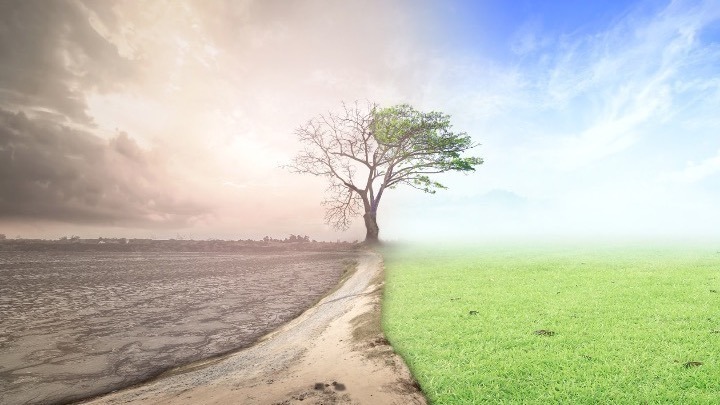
622, 325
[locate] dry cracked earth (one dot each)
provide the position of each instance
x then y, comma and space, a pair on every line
74, 325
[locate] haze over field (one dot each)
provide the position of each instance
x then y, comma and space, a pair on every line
159, 118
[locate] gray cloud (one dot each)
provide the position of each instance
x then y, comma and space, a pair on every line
51, 55
211, 90
54, 172
52, 164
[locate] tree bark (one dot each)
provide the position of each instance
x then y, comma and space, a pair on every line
371, 226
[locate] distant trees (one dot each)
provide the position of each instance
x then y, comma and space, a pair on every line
290, 239
297, 238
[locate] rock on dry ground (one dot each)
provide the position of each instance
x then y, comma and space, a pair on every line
334, 353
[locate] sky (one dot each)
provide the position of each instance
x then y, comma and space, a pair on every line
168, 119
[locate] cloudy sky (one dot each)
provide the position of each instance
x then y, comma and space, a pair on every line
166, 118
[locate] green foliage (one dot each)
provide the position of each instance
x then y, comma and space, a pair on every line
421, 144
474, 325
365, 151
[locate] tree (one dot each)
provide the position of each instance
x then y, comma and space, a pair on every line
363, 151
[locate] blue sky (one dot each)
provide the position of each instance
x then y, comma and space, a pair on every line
165, 118
595, 120
497, 28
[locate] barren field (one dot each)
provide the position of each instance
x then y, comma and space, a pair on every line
73, 325
334, 353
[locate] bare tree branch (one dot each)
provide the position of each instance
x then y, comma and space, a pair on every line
364, 150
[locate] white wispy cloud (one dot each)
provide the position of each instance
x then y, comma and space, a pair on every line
694, 172
617, 86
583, 124
528, 38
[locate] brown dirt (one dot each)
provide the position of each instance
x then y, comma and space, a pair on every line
334, 353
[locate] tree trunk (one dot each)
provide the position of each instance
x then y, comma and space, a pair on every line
372, 227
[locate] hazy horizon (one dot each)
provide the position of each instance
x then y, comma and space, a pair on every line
164, 118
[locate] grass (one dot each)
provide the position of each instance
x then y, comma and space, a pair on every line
627, 324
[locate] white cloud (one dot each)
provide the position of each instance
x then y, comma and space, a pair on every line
216, 89
617, 86
529, 38
695, 172
582, 125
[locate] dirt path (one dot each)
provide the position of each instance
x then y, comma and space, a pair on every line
334, 353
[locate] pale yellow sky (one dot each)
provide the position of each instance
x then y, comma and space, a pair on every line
205, 96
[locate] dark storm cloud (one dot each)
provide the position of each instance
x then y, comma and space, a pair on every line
50, 55
53, 172
52, 164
